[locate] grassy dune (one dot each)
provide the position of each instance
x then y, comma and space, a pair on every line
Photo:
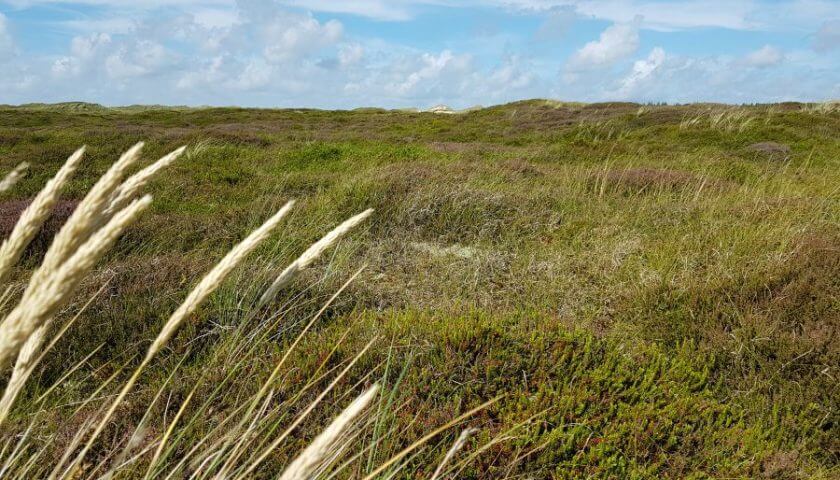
651, 291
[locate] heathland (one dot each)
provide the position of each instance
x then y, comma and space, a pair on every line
647, 291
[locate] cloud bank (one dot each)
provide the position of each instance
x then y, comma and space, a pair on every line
400, 53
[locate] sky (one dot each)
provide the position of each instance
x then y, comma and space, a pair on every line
417, 53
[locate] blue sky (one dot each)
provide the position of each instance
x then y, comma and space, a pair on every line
417, 53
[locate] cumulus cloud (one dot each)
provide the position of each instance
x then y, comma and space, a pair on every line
275, 53
511, 75
256, 74
99, 54
617, 42
350, 54
86, 47
642, 71
428, 73
299, 37
143, 57
766, 56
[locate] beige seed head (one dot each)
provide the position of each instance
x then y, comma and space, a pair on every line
212, 280
89, 214
47, 291
328, 442
311, 254
132, 186
12, 177
33, 218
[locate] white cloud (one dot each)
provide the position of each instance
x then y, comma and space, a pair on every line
766, 56
350, 54
556, 24
617, 42
209, 72
299, 37
86, 47
141, 58
670, 15
257, 74
391, 10
642, 71
433, 69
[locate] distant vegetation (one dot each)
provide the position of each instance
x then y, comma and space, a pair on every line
650, 291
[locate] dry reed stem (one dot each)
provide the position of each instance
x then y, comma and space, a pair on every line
13, 177
310, 255
34, 216
168, 433
305, 413
326, 443
205, 287
224, 443
47, 291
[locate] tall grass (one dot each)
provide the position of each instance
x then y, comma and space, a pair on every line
245, 439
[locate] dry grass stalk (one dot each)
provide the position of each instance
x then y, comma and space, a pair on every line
423, 440
13, 177
31, 355
212, 280
101, 204
205, 287
328, 443
458, 445
310, 255
33, 218
132, 186
48, 290
89, 215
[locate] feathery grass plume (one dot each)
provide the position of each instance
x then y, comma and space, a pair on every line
120, 196
48, 291
212, 280
12, 177
130, 188
458, 445
328, 443
89, 214
205, 287
30, 356
32, 353
310, 255
34, 216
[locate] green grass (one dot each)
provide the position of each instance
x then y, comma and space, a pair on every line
651, 297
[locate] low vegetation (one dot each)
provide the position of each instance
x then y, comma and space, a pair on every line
638, 291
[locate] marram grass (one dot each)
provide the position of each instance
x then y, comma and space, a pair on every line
660, 300
110, 206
